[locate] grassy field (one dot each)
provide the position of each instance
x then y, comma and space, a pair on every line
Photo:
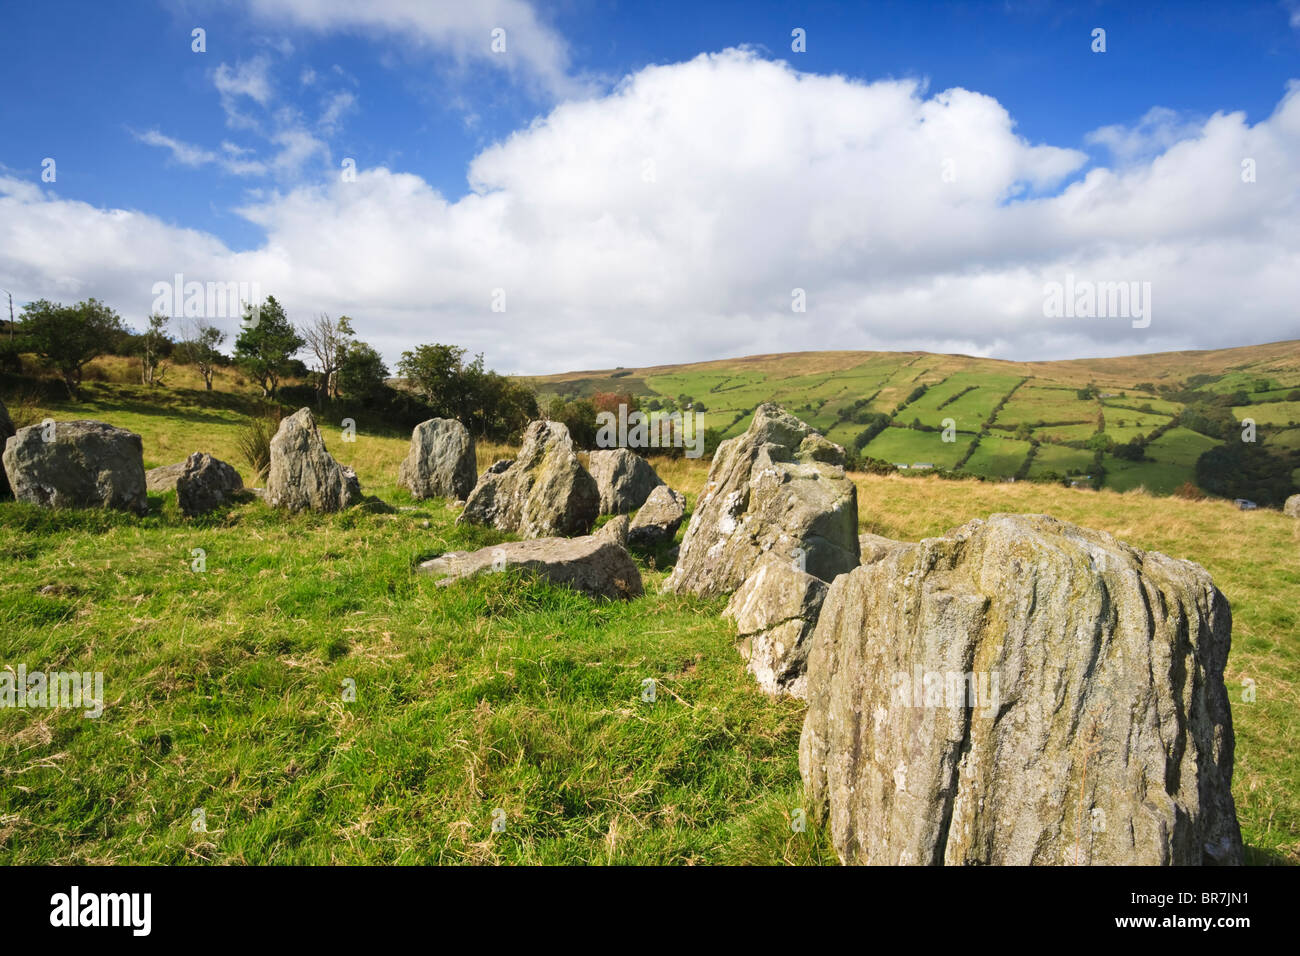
827, 388
497, 699
225, 688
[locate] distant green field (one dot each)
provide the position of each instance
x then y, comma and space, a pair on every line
1060, 460
830, 389
1180, 446
1060, 433
1273, 413
907, 446
1036, 403
996, 457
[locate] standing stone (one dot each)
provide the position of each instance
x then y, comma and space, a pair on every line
441, 462
1022, 691
206, 483
778, 487
544, 492
1292, 507
7, 431
775, 611
624, 478
84, 464
303, 476
658, 519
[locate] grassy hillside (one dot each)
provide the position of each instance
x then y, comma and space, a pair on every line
225, 688
1026, 419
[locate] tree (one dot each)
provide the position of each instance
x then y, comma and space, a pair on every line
435, 371
68, 337
327, 339
266, 344
361, 371
151, 346
201, 345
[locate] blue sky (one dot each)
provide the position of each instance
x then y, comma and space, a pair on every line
223, 158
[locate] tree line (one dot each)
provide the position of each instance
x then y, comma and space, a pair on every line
440, 380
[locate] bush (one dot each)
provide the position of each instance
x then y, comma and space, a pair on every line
1189, 491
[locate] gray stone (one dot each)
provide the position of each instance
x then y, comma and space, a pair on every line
873, 547
658, 519
778, 487
543, 492
164, 477
1292, 507
775, 611
441, 462
85, 464
624, 479
206, 483
1099, 730
303, 476
596, 565
615, 529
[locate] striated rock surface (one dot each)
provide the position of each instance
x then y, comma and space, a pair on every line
544, 492
1022, 691
778, 487
441, 462
304, 476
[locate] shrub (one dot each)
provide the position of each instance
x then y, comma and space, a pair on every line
254, 442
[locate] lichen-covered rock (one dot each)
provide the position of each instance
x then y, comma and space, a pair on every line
658, 519
1292, 507
778, 487
1022, 691
303, 476
624, 479
77, 464
596, 565
440, 462
206, 483
873, 547
544, 492
775, 611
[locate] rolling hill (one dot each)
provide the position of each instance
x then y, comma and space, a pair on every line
993, 418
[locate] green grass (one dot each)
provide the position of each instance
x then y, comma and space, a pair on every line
996, 457
1271, 413
908, 446
225, 693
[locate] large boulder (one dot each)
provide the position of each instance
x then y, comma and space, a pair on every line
775, 611
77, 464
624, 479
778, 487
206, 483
658, 519
542, 493
441, 462
303, 476
1022, 691
597, 565
7, 431
1292, 507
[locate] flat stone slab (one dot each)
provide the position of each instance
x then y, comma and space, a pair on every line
597, 565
